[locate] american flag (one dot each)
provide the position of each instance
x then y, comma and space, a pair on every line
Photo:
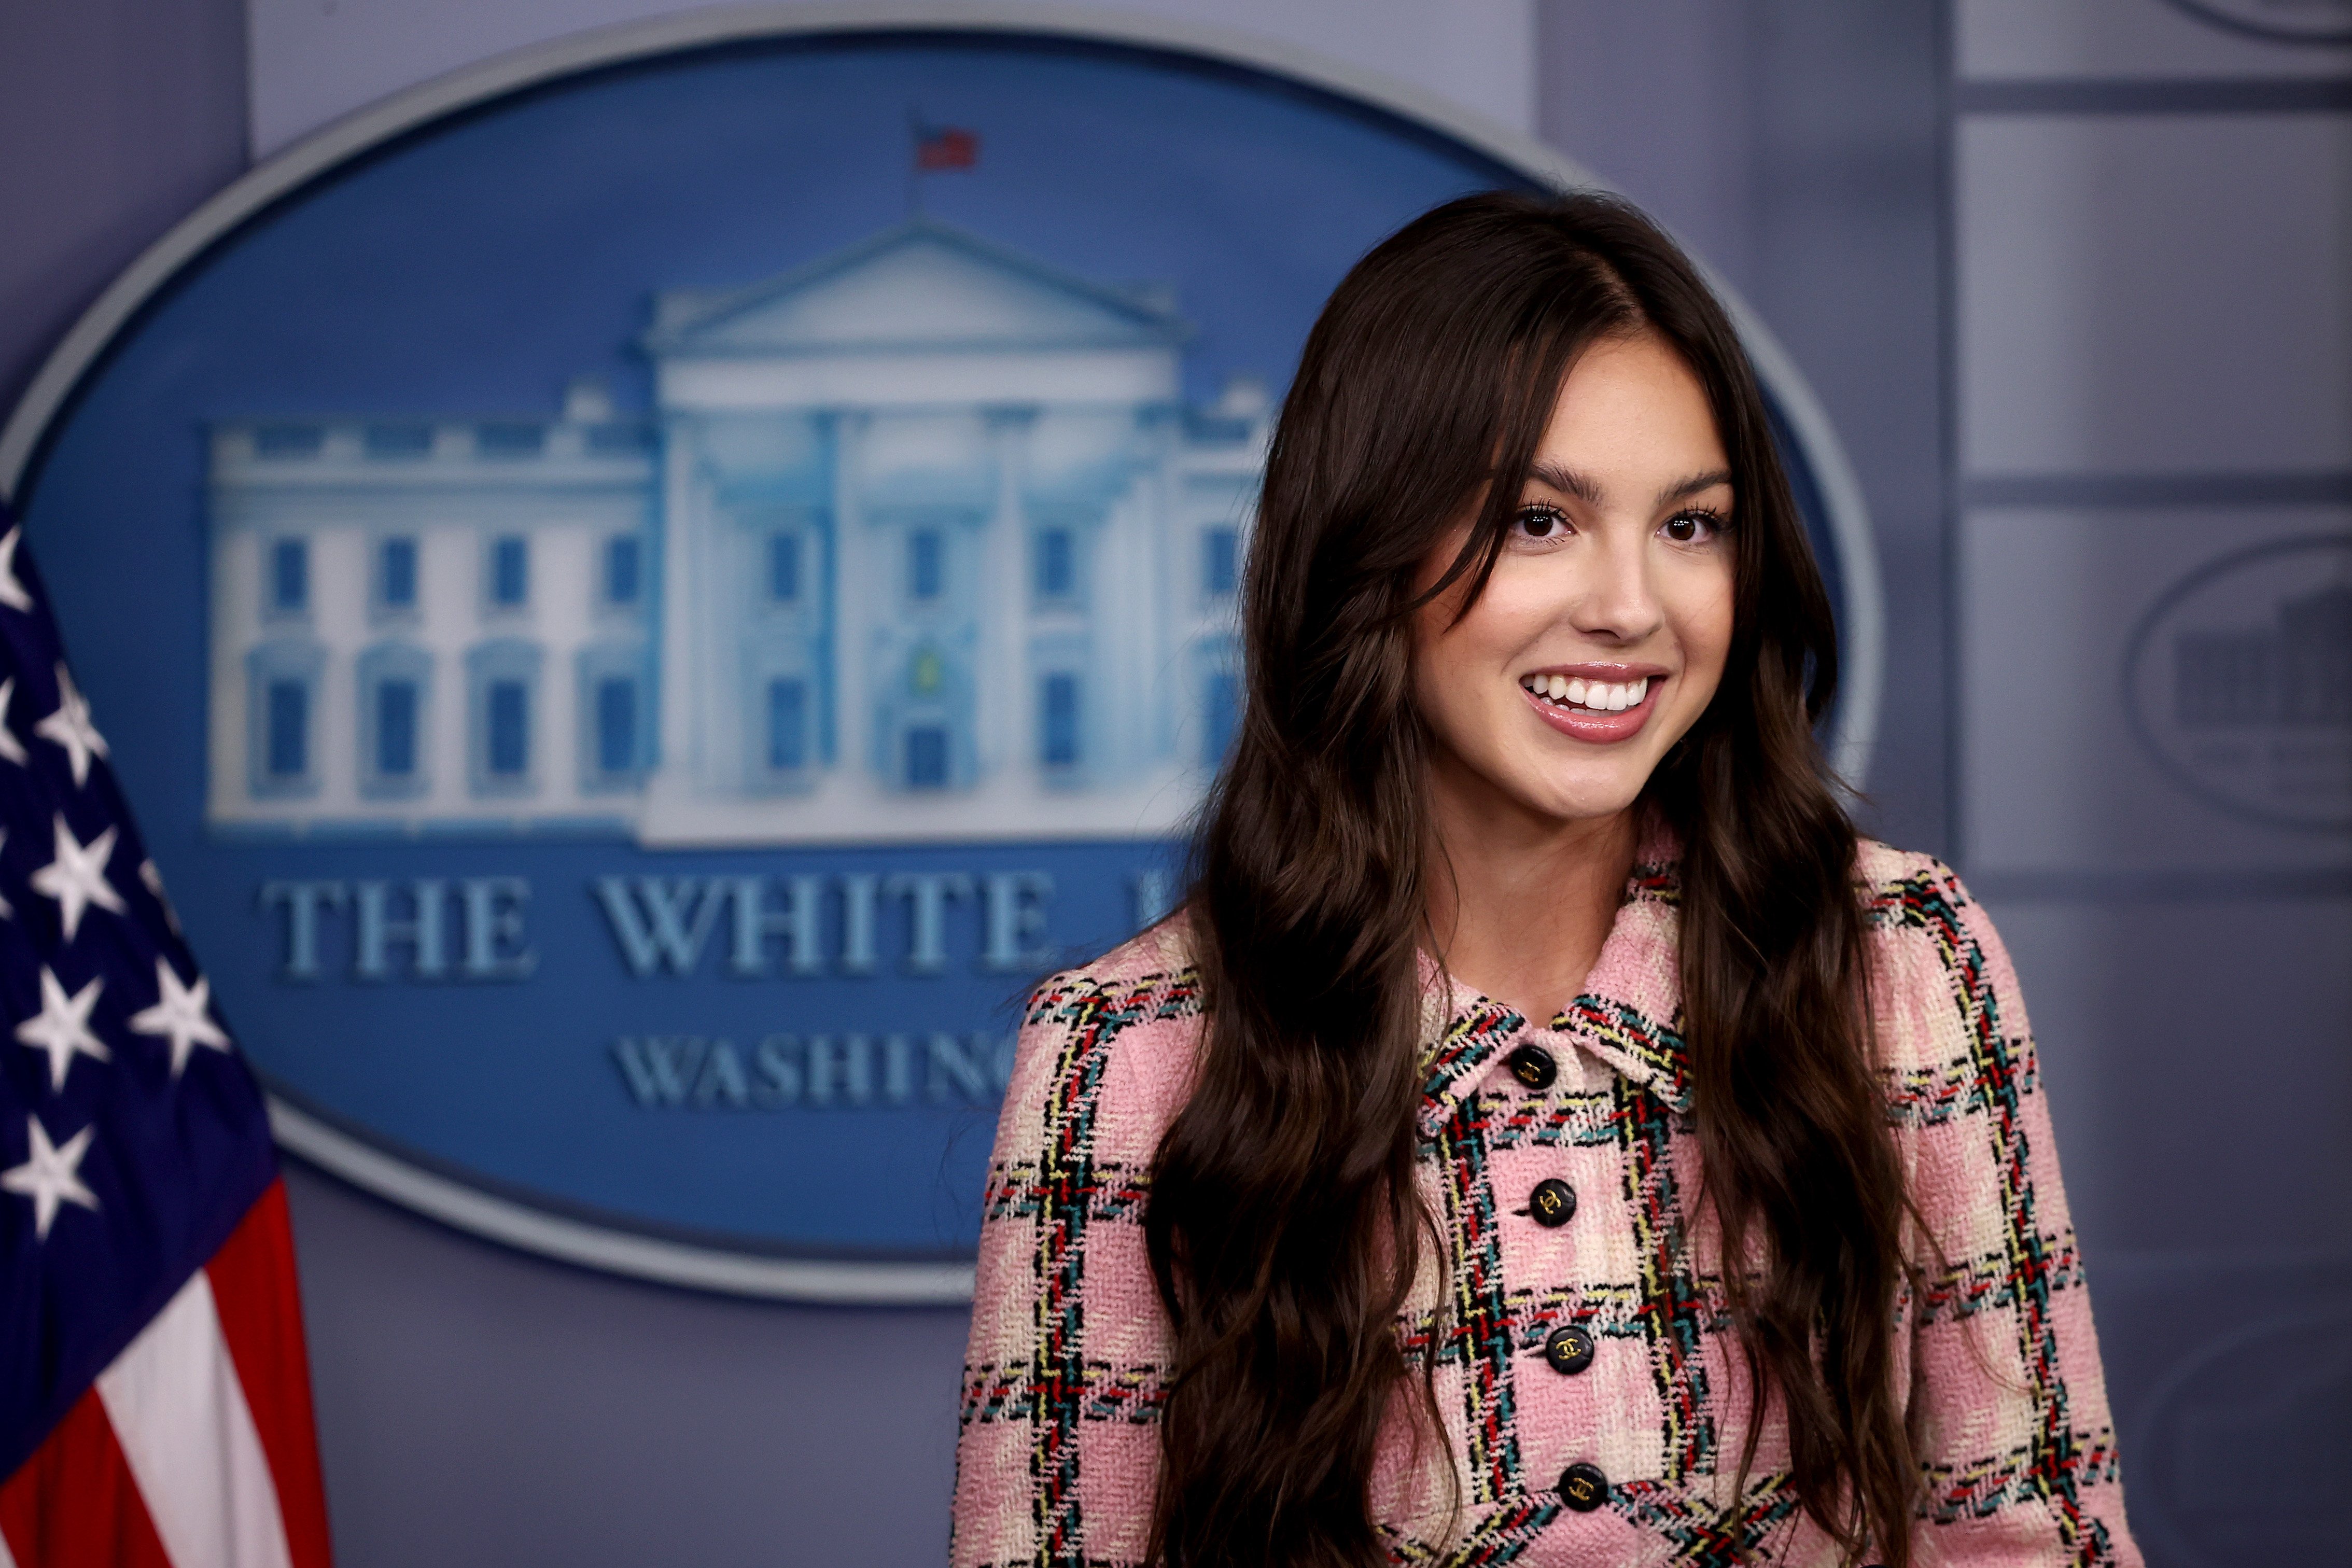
944, 147
154, 1400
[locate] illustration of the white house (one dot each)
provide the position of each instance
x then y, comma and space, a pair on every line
921, 542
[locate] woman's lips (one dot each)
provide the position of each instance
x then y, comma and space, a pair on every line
1597, 728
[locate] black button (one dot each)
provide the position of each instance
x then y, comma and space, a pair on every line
1553, 1203
1568, 1349
1532, 1066
1583, 1487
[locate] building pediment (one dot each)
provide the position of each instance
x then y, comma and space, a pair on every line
922, 287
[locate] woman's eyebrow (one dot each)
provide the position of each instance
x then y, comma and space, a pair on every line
1568, 481
1681, 489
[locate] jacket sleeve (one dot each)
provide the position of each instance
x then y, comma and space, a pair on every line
2010, 1401
1059, 1448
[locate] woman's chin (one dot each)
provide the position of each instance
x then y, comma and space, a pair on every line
1583, 802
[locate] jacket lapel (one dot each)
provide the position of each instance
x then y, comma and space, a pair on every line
1466, 1034
1629, 1015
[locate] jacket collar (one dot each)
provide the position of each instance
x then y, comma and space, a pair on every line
1628, 1015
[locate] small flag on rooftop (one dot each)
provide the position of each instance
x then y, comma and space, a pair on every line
154, 1397
945, 147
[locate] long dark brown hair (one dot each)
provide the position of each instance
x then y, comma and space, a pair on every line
1284, 1228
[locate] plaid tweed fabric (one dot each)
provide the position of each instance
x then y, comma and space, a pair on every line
1069, 1357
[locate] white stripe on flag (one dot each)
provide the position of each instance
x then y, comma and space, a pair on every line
180, 1414
6, 1559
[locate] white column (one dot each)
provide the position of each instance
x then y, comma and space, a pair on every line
1004, 721
859, 582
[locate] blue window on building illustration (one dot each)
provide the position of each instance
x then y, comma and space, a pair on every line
1058, 721
613, 699
395, 729
616, 724
1058, 567
503, 688
788, 724
281, 718
510, 570
1220, 561
290, 729
926, 564
1221, 712
926, 757
508, 749
289, 575
784, 568
397, 574
394, 687
624, 565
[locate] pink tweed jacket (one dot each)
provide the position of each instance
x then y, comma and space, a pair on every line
1594, 1396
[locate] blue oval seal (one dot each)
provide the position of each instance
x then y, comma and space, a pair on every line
643, 596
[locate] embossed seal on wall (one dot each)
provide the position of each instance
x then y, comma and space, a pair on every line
2238, 680
2288, 21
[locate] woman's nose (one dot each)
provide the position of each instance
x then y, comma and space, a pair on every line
1616, 600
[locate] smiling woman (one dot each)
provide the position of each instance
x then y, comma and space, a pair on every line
1545, 1133
1607, 614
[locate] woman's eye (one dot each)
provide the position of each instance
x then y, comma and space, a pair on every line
1541, 522
1693, 526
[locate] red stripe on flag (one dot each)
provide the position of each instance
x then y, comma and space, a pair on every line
254, 1290
74, 1504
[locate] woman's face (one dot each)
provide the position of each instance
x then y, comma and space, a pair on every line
1601, 636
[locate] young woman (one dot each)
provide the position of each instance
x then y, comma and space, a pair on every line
1546, 1134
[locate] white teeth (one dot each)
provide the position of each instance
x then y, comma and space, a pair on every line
1597, 696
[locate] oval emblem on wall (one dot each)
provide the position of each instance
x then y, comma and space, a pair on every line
2289, 21
2238, 681
645, 597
